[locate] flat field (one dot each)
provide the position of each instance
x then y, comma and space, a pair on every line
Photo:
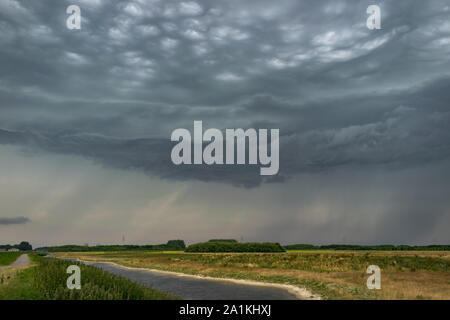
332, 274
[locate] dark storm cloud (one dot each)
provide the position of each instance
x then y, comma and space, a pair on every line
341, 94
399, 129
16, 220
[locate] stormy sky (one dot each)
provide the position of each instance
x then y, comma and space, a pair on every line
86, 117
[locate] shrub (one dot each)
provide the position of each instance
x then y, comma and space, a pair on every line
300, 247
235, 247
176, 244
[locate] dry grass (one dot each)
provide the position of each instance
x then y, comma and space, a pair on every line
8, 274
333, 274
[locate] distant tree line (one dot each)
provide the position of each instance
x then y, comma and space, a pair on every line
229, 246
225, 245
23, 246
171, 245
384, 247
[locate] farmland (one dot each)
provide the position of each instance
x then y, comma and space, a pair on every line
332, 274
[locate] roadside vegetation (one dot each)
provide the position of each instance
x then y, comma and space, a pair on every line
18, 284
6, 258
331, 274
232, 246
46, 279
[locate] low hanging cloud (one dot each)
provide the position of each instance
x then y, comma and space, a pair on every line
399, 129
341, 94
15, 220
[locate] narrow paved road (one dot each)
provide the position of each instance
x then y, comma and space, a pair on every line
23, 260
194, 288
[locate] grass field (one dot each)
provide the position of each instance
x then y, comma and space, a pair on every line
6, 258
332, 274
46, 279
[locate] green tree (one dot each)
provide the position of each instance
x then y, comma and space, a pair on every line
24, 246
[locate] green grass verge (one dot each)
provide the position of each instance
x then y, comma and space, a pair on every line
21, 287
6, 258
47, 281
